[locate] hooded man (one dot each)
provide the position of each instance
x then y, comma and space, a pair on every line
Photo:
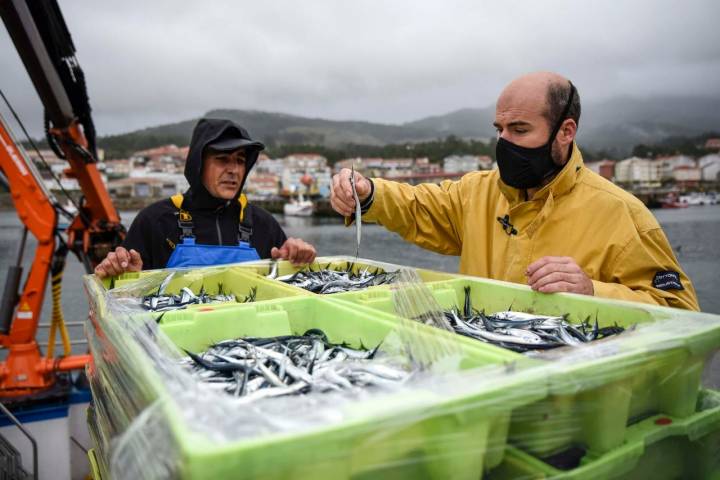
542, 218
211, 223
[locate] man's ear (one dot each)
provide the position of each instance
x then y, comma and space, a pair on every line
567, 132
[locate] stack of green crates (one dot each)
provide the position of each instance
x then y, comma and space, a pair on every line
597, 417
659, 447
402, 435
597, 407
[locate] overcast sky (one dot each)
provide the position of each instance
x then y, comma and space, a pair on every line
150, 62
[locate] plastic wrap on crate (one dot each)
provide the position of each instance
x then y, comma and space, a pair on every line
341, 263
595, 390
242, 283
658, 447
444, 419
453, 420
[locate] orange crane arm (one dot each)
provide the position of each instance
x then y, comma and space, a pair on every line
40, 218
40, 36
25, 371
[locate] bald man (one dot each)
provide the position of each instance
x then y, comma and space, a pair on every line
542, 218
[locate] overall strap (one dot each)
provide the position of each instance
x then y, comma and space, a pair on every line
245, 229
184, 218
186, 225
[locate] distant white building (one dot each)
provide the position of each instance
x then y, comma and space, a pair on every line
466, 163
264, 178
306, 172
120, 168
710, 167
424, 166
262, 185
388, 167
461, 163
164, 154
266, 165
171, 183
638, 170
305, 160
668, 165
142, 187
687, 175
368, 166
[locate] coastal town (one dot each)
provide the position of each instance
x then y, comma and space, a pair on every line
152, 174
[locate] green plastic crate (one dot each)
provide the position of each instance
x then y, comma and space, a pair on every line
94, 469
591, 401
108, 283
661, 447
95, 455
449, 437
262, 269
233, 280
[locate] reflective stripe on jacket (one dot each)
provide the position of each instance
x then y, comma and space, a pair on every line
607, 231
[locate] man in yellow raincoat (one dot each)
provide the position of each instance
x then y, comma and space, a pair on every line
541, 218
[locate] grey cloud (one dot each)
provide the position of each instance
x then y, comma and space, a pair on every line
152, 62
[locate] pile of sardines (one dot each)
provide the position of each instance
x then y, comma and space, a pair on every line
522, 332
162, 302
326, 281
255, 368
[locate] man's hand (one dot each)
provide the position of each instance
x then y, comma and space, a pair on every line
558, 274
341, 195
295, 250
119, 261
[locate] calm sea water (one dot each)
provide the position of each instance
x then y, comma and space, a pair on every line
693, 233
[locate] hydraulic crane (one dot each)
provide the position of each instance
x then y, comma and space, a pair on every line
43, 42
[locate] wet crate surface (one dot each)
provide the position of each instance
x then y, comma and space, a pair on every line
449, 438
661, 447
591, 400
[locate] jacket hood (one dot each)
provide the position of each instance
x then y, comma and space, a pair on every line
209, 131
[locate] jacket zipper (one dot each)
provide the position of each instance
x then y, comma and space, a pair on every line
219, 212
217, 224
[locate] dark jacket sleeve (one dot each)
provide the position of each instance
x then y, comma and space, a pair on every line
139, 238
267, 232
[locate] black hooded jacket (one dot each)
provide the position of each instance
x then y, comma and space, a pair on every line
155, 231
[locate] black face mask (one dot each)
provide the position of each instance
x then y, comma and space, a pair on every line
523, 167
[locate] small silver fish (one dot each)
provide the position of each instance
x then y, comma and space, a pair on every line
257, 368
165, 283
358, 212
273, 274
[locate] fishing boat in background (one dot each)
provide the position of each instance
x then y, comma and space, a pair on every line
672, 201
698, 199
674, 204
299, 207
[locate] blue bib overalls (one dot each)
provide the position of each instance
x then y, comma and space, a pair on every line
190, 254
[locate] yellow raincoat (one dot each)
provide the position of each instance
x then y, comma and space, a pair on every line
611, 235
